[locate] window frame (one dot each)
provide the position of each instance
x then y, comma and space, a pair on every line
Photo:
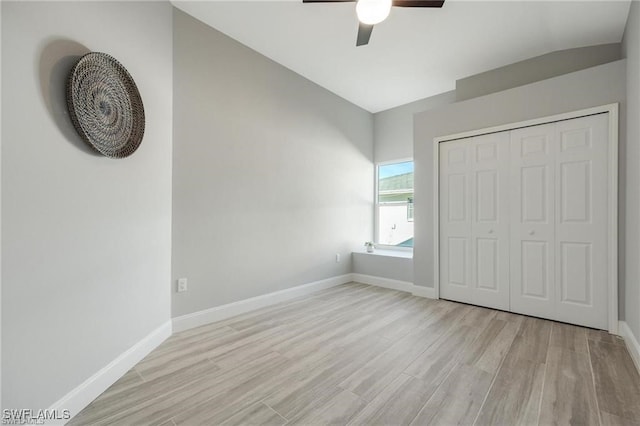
376, 204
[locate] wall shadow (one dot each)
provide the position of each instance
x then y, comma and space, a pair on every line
56, 60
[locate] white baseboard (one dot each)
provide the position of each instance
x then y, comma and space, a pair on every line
632, 343
76, 400
219, 313
428, 292
383, 282
405, 286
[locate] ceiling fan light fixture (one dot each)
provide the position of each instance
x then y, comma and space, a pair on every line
372, 12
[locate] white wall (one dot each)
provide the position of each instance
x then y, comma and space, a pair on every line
631, 271
86, 240
272, 176
595, 86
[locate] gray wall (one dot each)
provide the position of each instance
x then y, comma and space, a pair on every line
631, 158
392, 267
393, 128
595, 86
272, 176
86, 240
536, 69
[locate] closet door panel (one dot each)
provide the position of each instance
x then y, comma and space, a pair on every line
474, 220
532, 249
581, 221
490, 220
455, 221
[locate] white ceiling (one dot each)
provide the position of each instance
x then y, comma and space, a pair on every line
416, 52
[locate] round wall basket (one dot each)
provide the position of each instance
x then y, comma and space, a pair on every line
105, 105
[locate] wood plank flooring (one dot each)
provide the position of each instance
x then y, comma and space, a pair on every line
361, 355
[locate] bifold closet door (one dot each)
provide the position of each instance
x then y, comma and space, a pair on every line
474, 220
559, 204
523, 220
532, 254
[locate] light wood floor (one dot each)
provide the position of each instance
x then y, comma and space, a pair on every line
356, 354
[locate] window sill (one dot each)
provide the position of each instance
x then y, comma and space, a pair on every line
406, 254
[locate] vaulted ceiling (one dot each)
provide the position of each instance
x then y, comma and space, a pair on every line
416, 52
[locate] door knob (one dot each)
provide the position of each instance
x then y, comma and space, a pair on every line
491, 231
532, 232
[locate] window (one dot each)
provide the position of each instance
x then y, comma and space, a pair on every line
394, 204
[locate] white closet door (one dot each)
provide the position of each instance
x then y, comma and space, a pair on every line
474, 220
581, 221
455, 221
532, 248
559, 218
524, 220
490, 220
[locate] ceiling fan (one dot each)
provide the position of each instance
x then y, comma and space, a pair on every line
371, 12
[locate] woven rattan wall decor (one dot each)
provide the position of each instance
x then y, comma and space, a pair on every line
105, 105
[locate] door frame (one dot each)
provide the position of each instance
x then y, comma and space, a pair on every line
612, 187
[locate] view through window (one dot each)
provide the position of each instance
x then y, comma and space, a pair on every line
395, 204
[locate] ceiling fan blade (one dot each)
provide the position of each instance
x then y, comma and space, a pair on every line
328, 1
364, 34
417, 3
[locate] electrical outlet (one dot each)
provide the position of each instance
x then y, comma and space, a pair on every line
337, 257
182, 285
